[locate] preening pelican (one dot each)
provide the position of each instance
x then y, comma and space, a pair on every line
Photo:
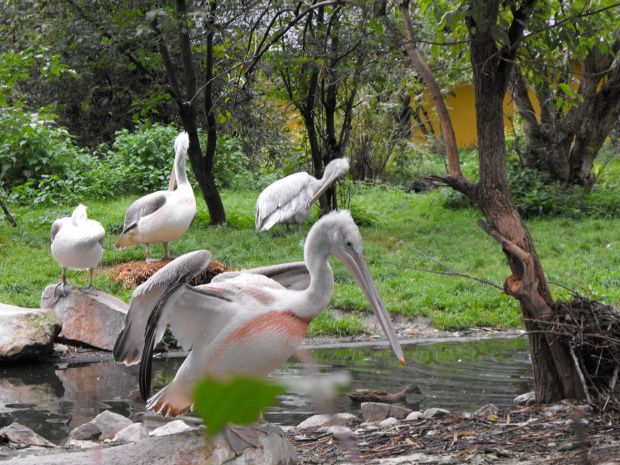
288, 200
77, 243
244, 324
163, 216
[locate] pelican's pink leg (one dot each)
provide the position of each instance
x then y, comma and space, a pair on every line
90, 289
63, 282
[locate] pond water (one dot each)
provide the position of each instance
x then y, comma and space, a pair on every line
458, 375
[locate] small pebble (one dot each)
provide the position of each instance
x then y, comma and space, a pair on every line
388, 422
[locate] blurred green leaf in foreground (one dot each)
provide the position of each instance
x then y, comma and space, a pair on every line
238, 400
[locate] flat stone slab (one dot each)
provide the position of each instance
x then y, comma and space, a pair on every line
95, 320
27, 333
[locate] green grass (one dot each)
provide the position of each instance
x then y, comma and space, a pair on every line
580, 254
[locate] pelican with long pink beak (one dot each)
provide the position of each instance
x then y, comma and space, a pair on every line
163, 216
242, 323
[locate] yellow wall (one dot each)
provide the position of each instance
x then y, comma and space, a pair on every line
462, 110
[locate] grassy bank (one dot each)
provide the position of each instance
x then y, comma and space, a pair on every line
581, 254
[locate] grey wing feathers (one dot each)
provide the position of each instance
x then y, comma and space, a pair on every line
146, 297
278, 202
56, 227
294, 276
144, 206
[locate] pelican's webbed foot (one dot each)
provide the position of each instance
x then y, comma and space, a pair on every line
62, 290
240, 437
89, 290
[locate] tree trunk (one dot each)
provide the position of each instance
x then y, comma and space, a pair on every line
212, 196
565, 144
202, 165
554, 373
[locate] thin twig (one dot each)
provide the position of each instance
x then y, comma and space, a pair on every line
452, 272
583, 380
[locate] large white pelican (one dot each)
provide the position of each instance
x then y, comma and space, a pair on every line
241, 324
163, 216
77, 243
288, 200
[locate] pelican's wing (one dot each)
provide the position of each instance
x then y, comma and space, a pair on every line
90, 233
279, 202
56, 226
167, 299
159, 290
144, 206
293, 276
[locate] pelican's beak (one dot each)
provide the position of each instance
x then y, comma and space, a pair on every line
173, 178
358, 268
325, 186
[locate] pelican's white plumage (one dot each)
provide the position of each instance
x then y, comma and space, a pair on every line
77, 243
245, 323
163, 216
288, 200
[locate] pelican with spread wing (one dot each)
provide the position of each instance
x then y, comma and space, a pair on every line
242, 323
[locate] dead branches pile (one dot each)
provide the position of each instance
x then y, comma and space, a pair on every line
135, 273
591, 330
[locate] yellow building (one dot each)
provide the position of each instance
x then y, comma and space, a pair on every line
462, 109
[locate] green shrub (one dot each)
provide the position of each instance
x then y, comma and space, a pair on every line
141, 161
536, 194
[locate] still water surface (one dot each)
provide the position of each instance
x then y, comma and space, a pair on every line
456, 375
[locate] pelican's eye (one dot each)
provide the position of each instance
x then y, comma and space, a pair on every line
349, 244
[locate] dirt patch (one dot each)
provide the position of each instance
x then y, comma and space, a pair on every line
562, 433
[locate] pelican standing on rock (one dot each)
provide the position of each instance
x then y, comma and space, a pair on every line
163, 216
244, 324
77, 243
288, 200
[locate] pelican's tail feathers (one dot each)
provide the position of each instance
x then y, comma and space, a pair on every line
172, 401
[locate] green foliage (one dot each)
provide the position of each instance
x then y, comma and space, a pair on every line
238, 400
141, 161
230, 166
535, 193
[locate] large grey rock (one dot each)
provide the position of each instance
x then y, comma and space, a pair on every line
93, 320
22, 436
27, 333
103, 426
186, 448
377, 411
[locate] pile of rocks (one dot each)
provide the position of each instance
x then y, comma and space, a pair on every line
116, 439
